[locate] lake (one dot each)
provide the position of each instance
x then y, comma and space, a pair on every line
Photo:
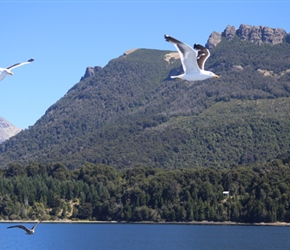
86, 236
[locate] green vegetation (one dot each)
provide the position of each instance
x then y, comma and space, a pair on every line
132, 114
98, 192
131, 144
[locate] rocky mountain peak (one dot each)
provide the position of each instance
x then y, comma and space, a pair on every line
255, 34
7, 130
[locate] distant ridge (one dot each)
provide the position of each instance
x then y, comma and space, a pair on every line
7, 130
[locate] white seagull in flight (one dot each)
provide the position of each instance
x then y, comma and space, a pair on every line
192, 60
7, 71
28, 231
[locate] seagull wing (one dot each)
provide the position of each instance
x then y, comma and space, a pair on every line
20, 226
35, 225
187, 55
20, 64
202, 55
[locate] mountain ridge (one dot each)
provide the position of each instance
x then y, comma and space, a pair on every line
255, 34
121, 115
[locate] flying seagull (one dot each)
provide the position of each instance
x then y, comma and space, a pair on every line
7, 71
192, 60
28, 231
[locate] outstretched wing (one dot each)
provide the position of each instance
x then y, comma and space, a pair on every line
20, 226
202, 55
35, 224
187, 55
20, 64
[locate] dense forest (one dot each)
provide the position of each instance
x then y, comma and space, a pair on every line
130, 144
257, 193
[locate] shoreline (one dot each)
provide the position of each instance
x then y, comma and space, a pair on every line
224, 223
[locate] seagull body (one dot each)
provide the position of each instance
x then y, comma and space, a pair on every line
7, 71
28, 231
192, 60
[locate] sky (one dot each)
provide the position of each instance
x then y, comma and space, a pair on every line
65, 37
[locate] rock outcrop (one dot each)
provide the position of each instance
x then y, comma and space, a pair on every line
213, 40
229, 32
255, 34
91, 71
7, 130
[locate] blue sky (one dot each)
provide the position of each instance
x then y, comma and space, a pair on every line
65, 37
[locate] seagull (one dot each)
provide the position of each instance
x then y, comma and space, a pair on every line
192, 60
28, 231
7, 71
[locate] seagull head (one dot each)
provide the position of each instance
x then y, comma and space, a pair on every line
176, 77
211, 74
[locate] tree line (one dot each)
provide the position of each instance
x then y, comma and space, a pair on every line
259, 193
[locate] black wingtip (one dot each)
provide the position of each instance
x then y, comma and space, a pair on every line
31, 60
198, 46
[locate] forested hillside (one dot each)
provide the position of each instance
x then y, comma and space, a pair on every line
127, 143
98, 192
130, 113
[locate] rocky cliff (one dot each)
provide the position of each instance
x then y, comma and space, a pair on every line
7, 130
91, 71
255, 34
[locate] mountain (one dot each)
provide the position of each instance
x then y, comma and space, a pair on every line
255, 34
7, 130
131, 113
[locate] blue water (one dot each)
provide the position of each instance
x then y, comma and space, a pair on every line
144, 236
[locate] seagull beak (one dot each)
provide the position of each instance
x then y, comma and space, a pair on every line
10, 73
216, 76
